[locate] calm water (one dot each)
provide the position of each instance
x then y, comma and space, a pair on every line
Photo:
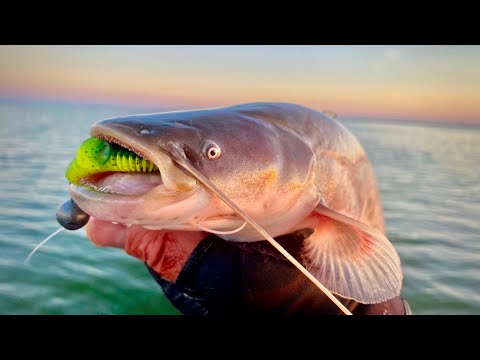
429, 178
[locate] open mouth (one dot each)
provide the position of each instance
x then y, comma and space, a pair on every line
123, 183
117, 179
105, 165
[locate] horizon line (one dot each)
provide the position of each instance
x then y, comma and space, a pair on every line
171, 107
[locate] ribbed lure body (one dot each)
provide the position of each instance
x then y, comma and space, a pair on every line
96, 156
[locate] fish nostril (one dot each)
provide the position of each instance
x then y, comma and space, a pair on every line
144, 132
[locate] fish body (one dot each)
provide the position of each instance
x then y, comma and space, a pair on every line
287, 166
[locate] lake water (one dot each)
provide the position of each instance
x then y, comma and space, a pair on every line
428, 175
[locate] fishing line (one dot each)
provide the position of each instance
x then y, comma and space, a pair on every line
259, 229
41, 244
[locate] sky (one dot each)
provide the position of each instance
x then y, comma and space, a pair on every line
433, 83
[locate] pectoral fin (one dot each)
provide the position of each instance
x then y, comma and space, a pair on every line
352, 259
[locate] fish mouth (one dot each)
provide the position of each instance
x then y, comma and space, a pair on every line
149, 199
118, 184
125, 183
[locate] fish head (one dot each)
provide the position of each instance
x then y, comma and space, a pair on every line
265, 169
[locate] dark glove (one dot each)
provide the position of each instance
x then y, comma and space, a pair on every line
224, 277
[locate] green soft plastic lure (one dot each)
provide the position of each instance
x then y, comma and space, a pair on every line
96, 156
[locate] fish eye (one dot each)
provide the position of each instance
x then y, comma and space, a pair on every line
212, 151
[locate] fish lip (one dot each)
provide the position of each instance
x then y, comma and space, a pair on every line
87, 191
104, 132
86, 197
120, 208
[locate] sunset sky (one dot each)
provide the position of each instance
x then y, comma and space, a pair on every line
411, 82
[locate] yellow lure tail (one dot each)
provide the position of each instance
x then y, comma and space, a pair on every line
96, 156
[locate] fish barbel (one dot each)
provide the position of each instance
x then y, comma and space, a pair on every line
286, 166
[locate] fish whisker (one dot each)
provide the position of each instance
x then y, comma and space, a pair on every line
218, 231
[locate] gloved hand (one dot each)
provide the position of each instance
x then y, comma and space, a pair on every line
203, 274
